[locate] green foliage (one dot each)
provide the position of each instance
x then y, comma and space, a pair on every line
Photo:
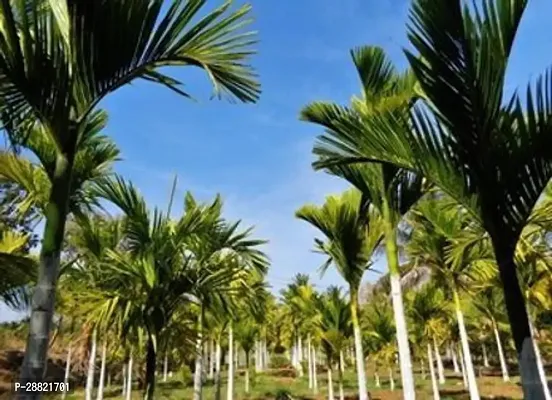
279, 361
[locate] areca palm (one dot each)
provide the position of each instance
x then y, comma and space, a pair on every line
392, 190
58, 60
334, 324
353, 232
487, 150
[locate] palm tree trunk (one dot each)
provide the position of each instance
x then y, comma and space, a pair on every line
405, 357
198, 384
454, 360
101, 382
542, 373
230, 386
330, 383
309, 360
218, 380
485, 358
314, 373
44, 293
299, 357
211, 360
391, 379
439, 362
502, 359
531, 381
463, 368
67, 372
341, 361
470, 372
151, 366
91, 368
422, 369
434, 386
377, 378
340, 375
247, 372
359, 354
165, 367
128, 393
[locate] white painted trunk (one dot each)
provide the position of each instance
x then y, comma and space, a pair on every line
405, 357
67, 372
502, 359
211, 360
330, 385
422, 369
165, 368
218, 381
540, 365
247, 380
91, 367
198, 382
101, 383
309, 360
392, 380
314, 372
230, 385
463, 368
341, 361
485, 358
361, 372
299, 350
377, 379
439, 362
129, 379
299, 357
470, 371
341, 392
434, 385
455, 360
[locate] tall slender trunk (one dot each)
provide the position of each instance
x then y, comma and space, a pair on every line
341, 361
101, 382
377, 378
392, 254
463, 368
439, 362
531, 381
230, 386
359, 354
470, 372
502, 359
299, 352
330, 383
165, 367
422, 369
198, 381
485, 358
67, 371
391, 379
218, 380
151, 366
309, 360
454, 360
434, 385
211, 360
540, 365
340, 377
91, 367
247, 372
44, 293
128, 393
314, 373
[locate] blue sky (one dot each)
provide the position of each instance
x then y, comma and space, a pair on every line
258, 156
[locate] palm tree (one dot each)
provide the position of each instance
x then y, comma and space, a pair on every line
58, 62
353, 233
484, 149
334, 325
390, 189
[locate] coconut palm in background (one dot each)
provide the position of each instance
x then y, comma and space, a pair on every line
390, 189
484, 148
58, 63
353, 232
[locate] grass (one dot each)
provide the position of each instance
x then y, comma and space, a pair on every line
267, 386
